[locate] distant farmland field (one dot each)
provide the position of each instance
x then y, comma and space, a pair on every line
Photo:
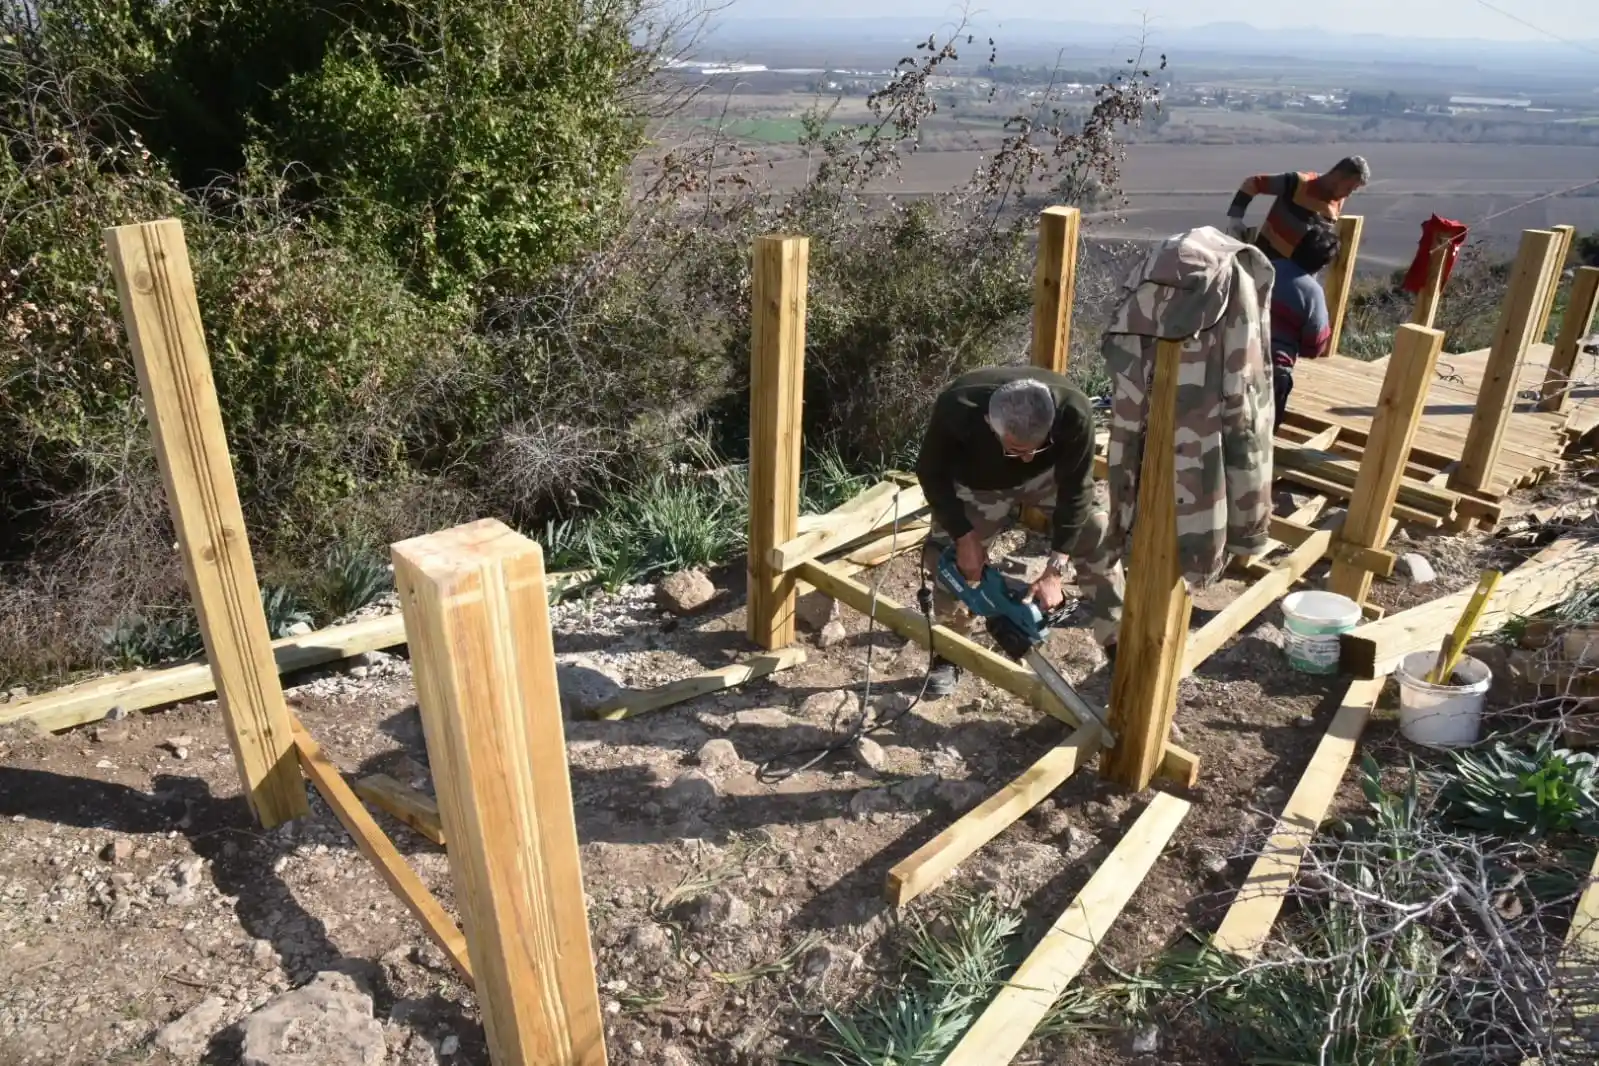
1174, 187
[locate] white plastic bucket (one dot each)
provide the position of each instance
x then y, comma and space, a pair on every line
1441, 716
1313, 620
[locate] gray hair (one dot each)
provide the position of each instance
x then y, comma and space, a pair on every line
1023, 410
1355, 166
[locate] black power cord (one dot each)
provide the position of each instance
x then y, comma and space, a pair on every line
865, 726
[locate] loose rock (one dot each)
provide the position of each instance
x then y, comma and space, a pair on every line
828, 960
118, 851
961, 794
718, 756
685, 592
815, 609
584, 685
326, 1023
1416, 568
720, 910
188, 1036
650, 943
1146, 1041
691, 790
826, 706
832, 635
113, 734
870, 753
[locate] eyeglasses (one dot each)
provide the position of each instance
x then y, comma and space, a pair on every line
1026, 453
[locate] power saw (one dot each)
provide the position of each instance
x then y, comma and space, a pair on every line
1019, 628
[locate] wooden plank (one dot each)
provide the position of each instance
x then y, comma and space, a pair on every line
1557, 267
777, 373
1262, 594
1055, 287
632, 703
901, 504
1154, 629
478, 621
1545, 581
1248, 921
1378, 561
1408, 515
1341, 276
1176, 765
1496, 397
1417, 494
1382, 469
162, 316
1005, 1026
416, 809
382, 854
932, 863
1432, 291
1574, 326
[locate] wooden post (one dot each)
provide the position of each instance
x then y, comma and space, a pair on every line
1393, 429
477, 621
1574, 325
1496, 397
777, 376
1154, 629
1557, 267
1431, 294
1342, 277
1055, 287
162, 316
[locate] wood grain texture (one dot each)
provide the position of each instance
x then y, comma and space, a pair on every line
162, 316
478, 621
1055, 287
1382, 469
629, 704
1557, 267
932, 863
1516, 331
381, 852
1431, 295
1003, 1029
1154, 629
862, 516
1248, 921
1574, 326
777, 381
1341, 276
416, 809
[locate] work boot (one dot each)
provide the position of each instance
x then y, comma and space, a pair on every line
943, 678
1110, 658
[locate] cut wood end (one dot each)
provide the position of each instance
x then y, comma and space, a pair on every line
464, 549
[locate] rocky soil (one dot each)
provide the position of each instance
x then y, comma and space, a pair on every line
144, 918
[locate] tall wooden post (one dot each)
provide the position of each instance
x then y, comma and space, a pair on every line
777, 379
1055, 287
477, 620
1341, 278
1154, 629
1393, 429
1557, 267
1574, 326
1496, 397
1431, 294
156, 287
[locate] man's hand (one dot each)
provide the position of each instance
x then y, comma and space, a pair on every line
1235, 228
971, 557
1046, 591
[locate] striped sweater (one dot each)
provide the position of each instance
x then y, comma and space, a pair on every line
1300, 198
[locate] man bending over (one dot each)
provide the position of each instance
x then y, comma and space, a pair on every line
1301, 198
998, 439
1300, 324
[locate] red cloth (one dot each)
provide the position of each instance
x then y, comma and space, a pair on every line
1433, 230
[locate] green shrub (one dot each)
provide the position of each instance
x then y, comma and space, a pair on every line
1523, 793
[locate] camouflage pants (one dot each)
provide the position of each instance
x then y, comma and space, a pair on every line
1095, 559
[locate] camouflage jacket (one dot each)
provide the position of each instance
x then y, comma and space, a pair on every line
1214, 292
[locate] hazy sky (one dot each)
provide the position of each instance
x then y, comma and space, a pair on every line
1409, 18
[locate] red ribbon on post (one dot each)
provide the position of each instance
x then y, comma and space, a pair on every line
1433, 230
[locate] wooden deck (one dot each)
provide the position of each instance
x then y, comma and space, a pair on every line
1343, 392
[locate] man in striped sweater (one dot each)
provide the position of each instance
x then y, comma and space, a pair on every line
1300, 324
1300, 198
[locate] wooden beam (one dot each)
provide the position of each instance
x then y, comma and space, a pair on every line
1400, 404
1431, 294
867, 514
416, 809
382, 854
1574, 326
1341, 278
1055, 287
162, 316
1417, 496
1176, 765
1557, 267
478, 621
1379, 561
1544, 581
1407, 514
1262, 594
1005, 1026
1497, 397
1248, 921
932, 863
1154, 629
777, 382
633, 703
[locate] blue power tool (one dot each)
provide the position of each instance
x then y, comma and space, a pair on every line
1019, 628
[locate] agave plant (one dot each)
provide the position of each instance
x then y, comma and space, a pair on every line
1527, 793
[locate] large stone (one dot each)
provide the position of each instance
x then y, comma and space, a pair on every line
832, 635
326, 1023
691, 791
584, 685
718, 756
836, 705
685, 592
720, 910
870, 753
815, 609
187, 1037
1416, 569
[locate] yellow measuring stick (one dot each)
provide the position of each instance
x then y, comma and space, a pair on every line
1468, 621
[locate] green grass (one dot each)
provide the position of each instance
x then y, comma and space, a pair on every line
767, 130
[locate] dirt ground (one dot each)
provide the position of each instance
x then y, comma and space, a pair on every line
726, 910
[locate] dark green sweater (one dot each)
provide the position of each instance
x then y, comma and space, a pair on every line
961, 447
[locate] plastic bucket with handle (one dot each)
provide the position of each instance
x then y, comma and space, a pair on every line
1441, 716
1313, 620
